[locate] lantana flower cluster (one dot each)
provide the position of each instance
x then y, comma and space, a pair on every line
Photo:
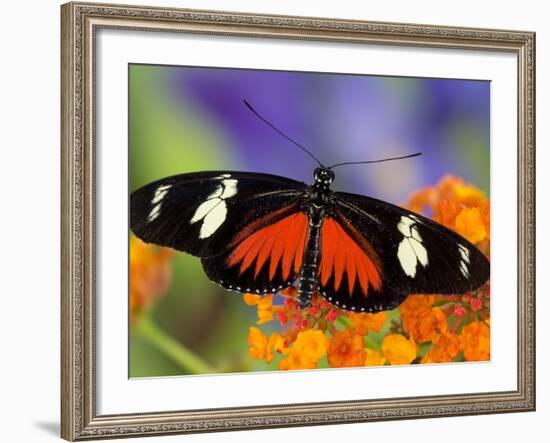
423, 329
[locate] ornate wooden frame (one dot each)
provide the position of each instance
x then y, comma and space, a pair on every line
80, 21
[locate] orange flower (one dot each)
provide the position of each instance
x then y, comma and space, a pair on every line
416, 305
449, 188
458, 205
420, 319
346, 350
422, 198
469, 223
373, 358
296, 361
486, 216
454, 188
362, 323
445, 347
309, 347
446, 211
475, 341
398, 350
150, 274
429, 325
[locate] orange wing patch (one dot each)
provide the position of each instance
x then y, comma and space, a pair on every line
341, 254
281, 242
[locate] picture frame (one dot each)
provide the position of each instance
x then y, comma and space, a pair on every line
81, 374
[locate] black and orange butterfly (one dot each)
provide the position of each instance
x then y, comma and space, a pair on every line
262, 233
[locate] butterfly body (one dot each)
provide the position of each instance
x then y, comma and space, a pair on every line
262, 233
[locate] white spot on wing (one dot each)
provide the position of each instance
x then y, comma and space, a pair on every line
464, 269
404, 226
229, 188
411, 251
204, 208
420, 251
407, 257
213, 220
465, 261
154, 213
464, 253
415, 234
213, 210
160, 193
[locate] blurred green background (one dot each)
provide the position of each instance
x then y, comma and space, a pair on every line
185, 119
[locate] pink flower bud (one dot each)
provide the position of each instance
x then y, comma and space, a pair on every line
476, 304
459, 311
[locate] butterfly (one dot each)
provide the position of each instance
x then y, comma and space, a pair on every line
262, 233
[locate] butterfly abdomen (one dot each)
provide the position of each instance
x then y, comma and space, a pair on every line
310, 262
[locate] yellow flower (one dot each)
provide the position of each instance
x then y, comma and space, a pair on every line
486, 216
257, 343
309, 347
475, 341
470, 225
261, 347
264, 304
252, 299
296, 361
346, 349
373, 358
311, 344
398, 350
362, 323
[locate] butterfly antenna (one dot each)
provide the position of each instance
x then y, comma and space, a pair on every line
416, 154
249, 106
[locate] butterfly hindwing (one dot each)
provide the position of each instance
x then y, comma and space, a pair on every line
266, 257
201, 213
351, 273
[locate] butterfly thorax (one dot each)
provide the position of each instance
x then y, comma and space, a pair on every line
320, 189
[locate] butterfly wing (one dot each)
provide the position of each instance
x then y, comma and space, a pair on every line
266, 256
373, 254
200, 213
246, 227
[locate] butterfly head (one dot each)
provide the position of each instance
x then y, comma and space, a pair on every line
323, 176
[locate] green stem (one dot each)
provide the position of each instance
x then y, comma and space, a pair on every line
344, 321
172, 348
370, 343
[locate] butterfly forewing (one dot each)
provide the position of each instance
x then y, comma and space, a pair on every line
203, 213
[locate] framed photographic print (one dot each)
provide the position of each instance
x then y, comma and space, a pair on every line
277, 221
